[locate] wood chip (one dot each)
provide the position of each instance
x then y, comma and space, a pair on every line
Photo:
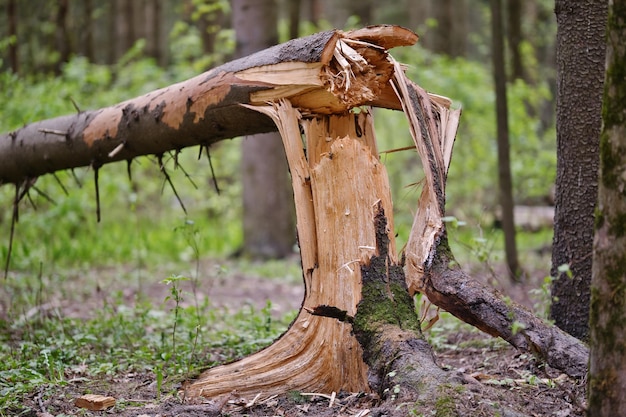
94, 402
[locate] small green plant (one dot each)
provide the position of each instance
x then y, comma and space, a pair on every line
517, 327
176, 296
542, 297
393, 391
565, 269
297, 397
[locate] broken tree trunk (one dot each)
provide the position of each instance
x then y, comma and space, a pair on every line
357, 319
338, 187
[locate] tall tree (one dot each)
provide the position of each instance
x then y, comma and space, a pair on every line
580, 76
268, 212
86, 38
607, 380
63, 42
210, 18
450, 34
504, 157
152, 29
294, 18
363, 9
13, 44
125, 29
514, 36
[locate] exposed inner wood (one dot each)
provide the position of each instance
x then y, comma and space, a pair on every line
337, 191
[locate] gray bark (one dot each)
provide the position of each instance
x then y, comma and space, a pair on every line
580, 74
138, 127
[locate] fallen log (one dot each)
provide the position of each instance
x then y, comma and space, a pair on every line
313, 72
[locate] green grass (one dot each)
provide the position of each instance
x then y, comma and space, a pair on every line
172, 340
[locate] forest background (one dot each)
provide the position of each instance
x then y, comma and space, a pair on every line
86, 55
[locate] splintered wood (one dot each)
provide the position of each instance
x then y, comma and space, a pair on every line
94, 402
336, 192
339, 185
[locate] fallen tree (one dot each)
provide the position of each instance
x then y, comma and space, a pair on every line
357, 321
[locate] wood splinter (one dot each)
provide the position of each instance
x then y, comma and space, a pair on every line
94, 402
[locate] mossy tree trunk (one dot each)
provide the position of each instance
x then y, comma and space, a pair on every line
607, 379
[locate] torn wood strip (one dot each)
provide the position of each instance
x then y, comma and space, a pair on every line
433, 125
340, 189
287, 120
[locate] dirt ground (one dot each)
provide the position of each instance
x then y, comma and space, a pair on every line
494, 378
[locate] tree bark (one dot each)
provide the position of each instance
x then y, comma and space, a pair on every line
607, 379
200, 111
151, 12
87, 29
63, 43
580, 74
124, 28
294, 7
450, 34
505, 180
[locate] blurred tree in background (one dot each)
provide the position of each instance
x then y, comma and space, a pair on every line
268, 208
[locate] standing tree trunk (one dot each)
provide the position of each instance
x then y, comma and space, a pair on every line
363, 9
504, 158
450, 34
62, 35
86, 46
607, 371
124, 28
268, 216
210, 22
580, 75
294, 18
13, 44
151, 13
514, 14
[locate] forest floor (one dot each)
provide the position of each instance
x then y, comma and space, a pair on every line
495, 379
